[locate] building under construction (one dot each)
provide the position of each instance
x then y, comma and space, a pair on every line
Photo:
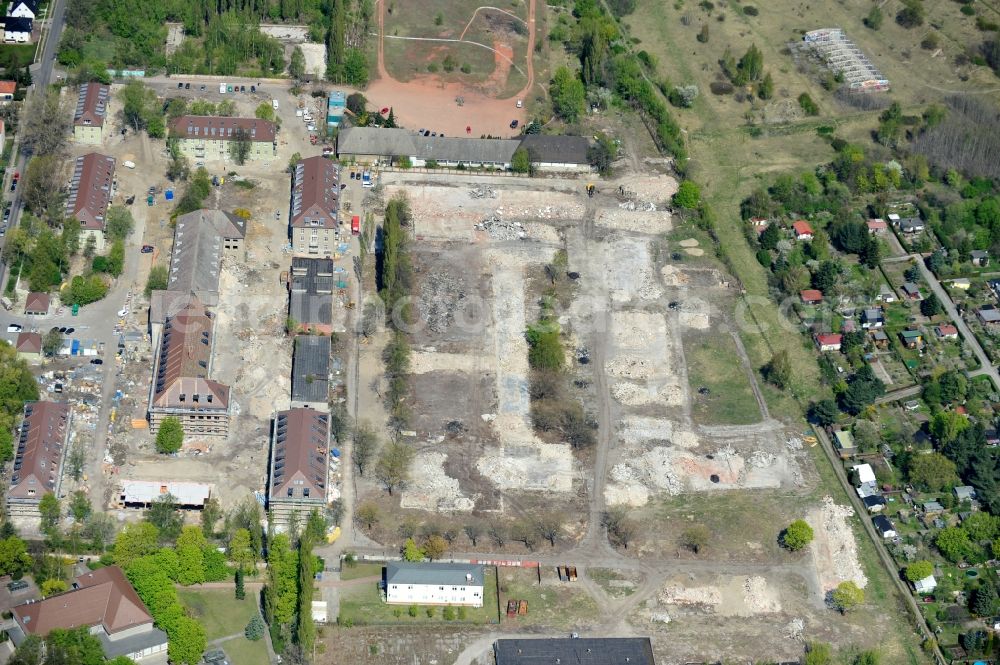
842, 56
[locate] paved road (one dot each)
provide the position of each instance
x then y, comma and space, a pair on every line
986, 367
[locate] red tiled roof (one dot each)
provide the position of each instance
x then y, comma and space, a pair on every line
181, 379
90, 192
802, 228
811, 295
947, 330
103, 596
28, 342
828, 339
217, 128
91, 105
37, 302
39, 451
876, 224
301, 449
7, 87
314, 194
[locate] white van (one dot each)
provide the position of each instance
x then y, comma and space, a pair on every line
128, 164
274, 104
222, 88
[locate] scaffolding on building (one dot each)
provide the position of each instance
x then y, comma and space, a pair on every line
842, 56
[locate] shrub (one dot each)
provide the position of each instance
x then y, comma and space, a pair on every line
448, 613
430, 612
412, 610
255, 629
919, 570
797, 535
807, 104
750, 10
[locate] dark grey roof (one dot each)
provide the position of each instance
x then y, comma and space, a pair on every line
569, 651
882, 524
402, 572
308, 309
312, 275
16, 24
403, 142
311, 368
135, 643
556, 149
872, 501
196, 259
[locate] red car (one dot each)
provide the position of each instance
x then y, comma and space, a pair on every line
384, 111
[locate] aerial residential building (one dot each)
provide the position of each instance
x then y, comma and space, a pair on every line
884, 526
7, 90
187, 495
433, 584
811, 296
313, 220
17, 30
36, 304
550, 152
204, 137
947, 332
91, 113
310, 298
299, 464
89, 196
873, 317
336, 103
103, 601
38, 456
828, 341
29, 346
23, 9
802, 230
980, 257
181, 386
877, 226
988, 315
311, 372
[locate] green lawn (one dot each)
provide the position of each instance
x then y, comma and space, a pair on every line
244, 652
713, 363
23, 53
553, 604
364, 605
360, 570
218, 611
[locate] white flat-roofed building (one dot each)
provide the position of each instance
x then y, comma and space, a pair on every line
145, 492
433, 584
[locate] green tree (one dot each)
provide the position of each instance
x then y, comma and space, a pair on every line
240, 146
695, 537
568, 94
779, 370
280, 593
170, 436
265, 111
134, 541
52, 342
412, 551
931, 306
932, 471
71, 235
848, 596
985, 599
53, 586
953, 543
255, 629
239, 590
14, 557
545, 350
919, 570
874, 18
240, 551
769, 237
157, 280
305, 633
140, 108
393, 466
187, 642
119, 223
521, 161
365, 446
51, 511
765, 89
191, 546
946, 426
818, 653
165, 515
750, 66
912, 14
797, 535
79, 506
688, 195
981, 526
297, 64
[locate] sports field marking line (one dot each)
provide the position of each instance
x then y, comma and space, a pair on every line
456, 41
496, 9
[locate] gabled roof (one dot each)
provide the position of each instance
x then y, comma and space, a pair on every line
215, 128
947, 330
36, 302
403, 142
877, 224
15, 24
811, 295
28, 342
181, 379
883, 524
402, 572
828, 339
91, 105
30, 5
315, 194
8, 87
196, 260
90, 190
556, 149
103, 596
802, 228
575, 651
311, 368
39, 450
300, 452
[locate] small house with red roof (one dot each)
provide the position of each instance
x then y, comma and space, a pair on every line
947, 332
36, 304
811, 296
802, 230
877, 226
828, 341
7, 90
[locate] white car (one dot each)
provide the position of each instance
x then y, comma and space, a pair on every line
311, 128
122, 312
13, 327
520, 103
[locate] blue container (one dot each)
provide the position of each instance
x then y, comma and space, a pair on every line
335, 452
170, 195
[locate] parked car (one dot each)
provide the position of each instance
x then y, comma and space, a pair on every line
146, 249
513, 124
187, 86
202, 88
243, 88
520, 103
179, 85
13, 327
96, 361
70, 331
253, 88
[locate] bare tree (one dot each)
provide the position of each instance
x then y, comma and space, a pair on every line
549, 526
498, 532
621, 529
473, 530
367, 515
695, 537
45, 124
525, 532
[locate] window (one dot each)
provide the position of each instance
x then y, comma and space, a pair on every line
290, 490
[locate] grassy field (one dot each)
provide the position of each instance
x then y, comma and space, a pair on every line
613, 582
364, 605
713, 363
24, 54
218, 611
552, 604
243, 651
359, 570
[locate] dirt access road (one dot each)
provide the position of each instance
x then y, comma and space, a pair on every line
429, 102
